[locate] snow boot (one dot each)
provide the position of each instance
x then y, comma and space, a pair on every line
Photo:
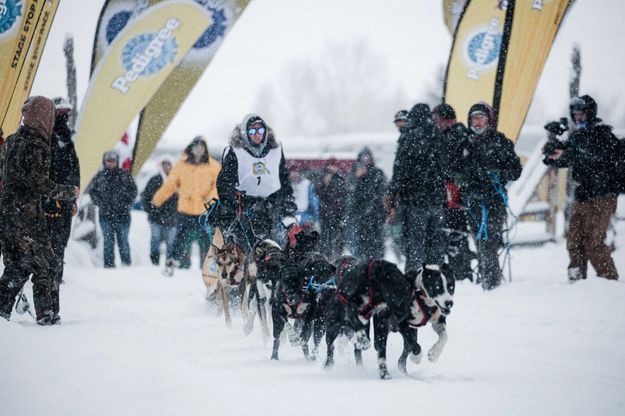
575, 274
170, 265
49, 318
22, 306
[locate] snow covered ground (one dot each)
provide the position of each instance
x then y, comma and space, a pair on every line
134, 342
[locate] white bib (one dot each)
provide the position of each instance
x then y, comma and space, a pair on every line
258, 176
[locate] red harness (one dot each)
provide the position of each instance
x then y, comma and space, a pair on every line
427, 311
366, 310
295, 307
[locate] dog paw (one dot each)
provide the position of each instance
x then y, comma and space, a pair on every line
248, 328
362, 341
416, 358
274, 356
384, 374
401, 364
434, 354
329, 363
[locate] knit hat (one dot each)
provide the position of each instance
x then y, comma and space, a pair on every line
445, 111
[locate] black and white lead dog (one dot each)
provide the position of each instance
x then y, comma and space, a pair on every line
376, 288
432, 295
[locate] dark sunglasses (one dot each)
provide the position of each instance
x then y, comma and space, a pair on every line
260, 130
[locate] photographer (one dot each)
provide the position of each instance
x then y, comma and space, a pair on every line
593, 153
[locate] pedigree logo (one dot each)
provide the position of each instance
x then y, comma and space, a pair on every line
482, 49
10, 10
147, 54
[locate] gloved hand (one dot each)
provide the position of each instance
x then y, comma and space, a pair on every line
390, 202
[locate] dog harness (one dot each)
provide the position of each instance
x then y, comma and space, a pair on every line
365, 311
292, 310
419, 310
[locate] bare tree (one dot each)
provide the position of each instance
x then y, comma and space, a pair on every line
434, 90
345, 89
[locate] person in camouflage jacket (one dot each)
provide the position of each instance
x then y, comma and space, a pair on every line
26, 243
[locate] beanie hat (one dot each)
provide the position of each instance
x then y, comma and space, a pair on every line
401, 115
420, 114
445, 111
585, 104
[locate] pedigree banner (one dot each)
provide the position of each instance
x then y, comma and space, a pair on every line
162, 108
534, 28
18, 19
452, 10
26, 76
131, 70
475, 55
114, 17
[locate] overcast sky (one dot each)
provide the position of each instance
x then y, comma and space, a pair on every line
410, 34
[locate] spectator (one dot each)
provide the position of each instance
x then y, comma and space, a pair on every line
332, 211
64, 170
487, 163
194, 178
367, 210
455, 216
113, 191
162, 219
305, 198
593, 153
418, 189
26, 245
394, 225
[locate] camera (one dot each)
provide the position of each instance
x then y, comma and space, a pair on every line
557, 127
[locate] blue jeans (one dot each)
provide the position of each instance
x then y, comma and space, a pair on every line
166, 233
112, 230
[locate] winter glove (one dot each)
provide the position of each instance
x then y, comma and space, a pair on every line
390, 202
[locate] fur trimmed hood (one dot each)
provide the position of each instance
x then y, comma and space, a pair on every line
239, 138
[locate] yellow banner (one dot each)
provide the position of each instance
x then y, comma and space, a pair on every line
452, 10
18, 19
474, 59
114, 17
162, 108
27, 75
134, 66
534, 27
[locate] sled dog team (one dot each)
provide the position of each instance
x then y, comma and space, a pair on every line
300, 292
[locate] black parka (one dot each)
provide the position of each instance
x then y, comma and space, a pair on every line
594, 154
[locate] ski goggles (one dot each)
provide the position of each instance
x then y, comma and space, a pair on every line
260, 130
577, 105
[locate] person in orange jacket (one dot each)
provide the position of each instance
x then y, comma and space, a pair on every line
194, 179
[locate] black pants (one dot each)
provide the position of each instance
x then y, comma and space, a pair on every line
423, 236
189, 229
489, 240
332, 239
59, 228
457, 243
24, 255
369, 236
